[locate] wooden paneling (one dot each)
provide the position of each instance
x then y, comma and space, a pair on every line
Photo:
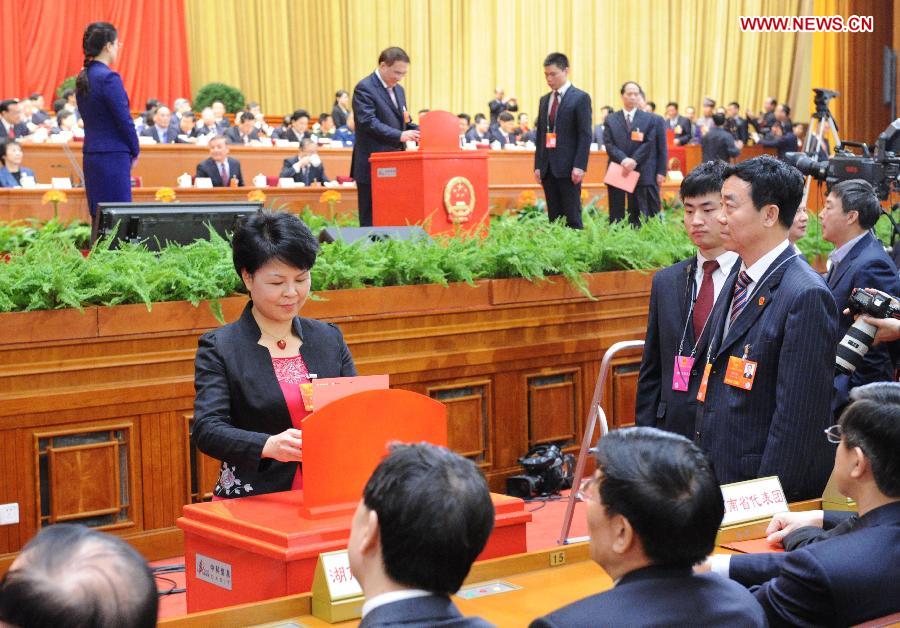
624, 387
83, 481
512, 373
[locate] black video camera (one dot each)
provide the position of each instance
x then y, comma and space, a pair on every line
547, 472
856, 343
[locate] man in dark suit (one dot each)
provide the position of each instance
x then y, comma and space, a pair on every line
857, 261
599, 128
631, 140
653, 510
678, 124
501, 104
718, 144
410, 549
849, 577
681, 301
244, 131
382, 122
480, 131
505, 131
781, 138
299, 128
218, 109
779, 316
220, 168
563, 143
764, 123
306, 167
161, 132
188, 133
11, 125
735, 124
39, 116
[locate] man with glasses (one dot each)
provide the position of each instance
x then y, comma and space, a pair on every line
852, 576
653, 510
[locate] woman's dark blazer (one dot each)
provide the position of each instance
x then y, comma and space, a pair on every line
239, 403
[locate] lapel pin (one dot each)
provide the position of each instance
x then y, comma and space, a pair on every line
762, 301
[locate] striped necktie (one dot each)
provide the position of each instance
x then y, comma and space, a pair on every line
740, 294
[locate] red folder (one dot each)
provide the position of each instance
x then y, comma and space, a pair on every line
616, 177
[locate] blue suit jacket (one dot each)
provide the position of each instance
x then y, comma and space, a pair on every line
434, 610
670, 301
865, 266
7, 180
845, 580
170, 136
108, 127
379, 124
790, 325
650, 155
660, 596
573, 134
313, 173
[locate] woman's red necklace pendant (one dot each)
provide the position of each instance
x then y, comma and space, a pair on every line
281, 344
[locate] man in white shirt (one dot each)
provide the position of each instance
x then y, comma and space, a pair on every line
681, 302
425, 515
777, 322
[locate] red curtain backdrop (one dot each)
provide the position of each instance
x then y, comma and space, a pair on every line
41, 46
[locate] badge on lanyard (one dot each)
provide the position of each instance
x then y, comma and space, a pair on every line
741, 372
701, 393
637, 136
550, 140
681, 375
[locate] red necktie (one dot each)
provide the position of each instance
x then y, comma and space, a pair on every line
553, 109
12, 132
705, 297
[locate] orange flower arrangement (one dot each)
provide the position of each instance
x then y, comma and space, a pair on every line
330, 197
584, 196
527, 198
166, 195
256, 195
56, 197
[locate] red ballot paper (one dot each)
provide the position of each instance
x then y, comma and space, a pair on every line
616, 177
753, 546
329, 389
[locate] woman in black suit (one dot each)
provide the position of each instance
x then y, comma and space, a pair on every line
341, 108
248, 406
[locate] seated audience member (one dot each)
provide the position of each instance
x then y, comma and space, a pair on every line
260, 124
653, 510
65, 123
145, 119
858, 261
299, 128
207, 124
160, 131
345, 134
341, 108
465, 122
244, 131
11, 173
224, 171
71, 103
523, 125
505, 132
717, 143
39, 116
188, 132
218, 109
479, 132
782, 138
279, 132
306, 167
324, 127
410, 549
11, 125
74, 576
58, 105
849, 576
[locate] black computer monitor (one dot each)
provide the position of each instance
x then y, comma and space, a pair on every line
155, 224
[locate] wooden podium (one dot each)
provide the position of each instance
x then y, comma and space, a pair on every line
677, 158
256, 548
440, 186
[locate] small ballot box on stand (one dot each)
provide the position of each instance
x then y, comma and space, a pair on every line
257, 548
440, 186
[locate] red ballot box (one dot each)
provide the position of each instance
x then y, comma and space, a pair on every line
256, 548
677, 154
440, 185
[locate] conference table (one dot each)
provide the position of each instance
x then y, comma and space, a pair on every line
539, 583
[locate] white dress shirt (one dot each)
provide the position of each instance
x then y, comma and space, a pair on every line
757, 272
726, 261
392, 596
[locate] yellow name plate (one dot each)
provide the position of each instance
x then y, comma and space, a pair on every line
336, 594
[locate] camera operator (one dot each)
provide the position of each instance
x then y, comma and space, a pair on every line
858, 261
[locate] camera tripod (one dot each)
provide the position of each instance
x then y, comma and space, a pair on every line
814, 143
